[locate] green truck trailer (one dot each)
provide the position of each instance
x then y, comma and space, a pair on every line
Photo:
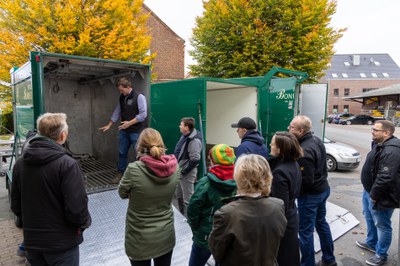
271, 100
83, 88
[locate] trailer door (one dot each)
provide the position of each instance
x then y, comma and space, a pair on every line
313, 104
172, 101
278, 110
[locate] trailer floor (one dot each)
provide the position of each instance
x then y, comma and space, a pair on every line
98, 175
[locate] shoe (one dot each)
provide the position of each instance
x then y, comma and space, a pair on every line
365, 246
323, 263
27, 263
21, 251
376, 261
117, 178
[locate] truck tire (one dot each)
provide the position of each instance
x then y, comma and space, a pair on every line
331, 163
370, 122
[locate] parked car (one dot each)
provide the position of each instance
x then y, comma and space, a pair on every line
359, 120
341, 117
340, 156
330, 117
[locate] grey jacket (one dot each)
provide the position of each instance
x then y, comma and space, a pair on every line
190, 153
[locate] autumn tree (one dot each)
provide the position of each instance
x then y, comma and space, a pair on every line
110, 29
237, 38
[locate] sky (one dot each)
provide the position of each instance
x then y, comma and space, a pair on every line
372, 25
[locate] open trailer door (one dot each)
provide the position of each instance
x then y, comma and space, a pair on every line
313, 101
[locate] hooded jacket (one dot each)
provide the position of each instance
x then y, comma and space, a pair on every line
150, 185
48, 192
380, 174
252, 143
188, 151
207, 198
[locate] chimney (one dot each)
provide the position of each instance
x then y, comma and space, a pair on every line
356, 60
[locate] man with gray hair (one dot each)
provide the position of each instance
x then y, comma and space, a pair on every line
314, 192
48, 193
380, 177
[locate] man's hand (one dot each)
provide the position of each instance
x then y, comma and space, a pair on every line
105, 128
124, 125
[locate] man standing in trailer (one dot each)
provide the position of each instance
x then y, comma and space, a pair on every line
132, 110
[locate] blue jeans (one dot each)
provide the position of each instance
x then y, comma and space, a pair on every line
199, 256
126, 140
312, 212
379, 226
69, 257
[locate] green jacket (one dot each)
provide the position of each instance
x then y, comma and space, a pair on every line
149, 229
207, 198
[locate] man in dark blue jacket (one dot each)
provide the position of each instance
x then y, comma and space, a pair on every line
380, 177
252, 141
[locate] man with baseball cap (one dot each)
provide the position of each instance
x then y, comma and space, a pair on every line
252, 141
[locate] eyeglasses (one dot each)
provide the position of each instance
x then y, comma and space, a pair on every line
376, 130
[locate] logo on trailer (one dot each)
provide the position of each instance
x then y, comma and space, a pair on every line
283, 95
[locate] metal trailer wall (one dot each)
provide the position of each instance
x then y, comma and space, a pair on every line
88, 107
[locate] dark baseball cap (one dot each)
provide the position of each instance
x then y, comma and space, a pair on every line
245, 122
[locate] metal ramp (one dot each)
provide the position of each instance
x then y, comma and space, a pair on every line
340, 221
103, 243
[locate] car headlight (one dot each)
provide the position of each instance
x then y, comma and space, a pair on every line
346, 154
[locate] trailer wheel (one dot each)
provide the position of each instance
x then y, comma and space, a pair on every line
331, 163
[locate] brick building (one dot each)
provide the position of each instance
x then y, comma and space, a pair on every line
169, 63
353, 74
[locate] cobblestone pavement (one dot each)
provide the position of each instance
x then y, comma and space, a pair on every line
10, 235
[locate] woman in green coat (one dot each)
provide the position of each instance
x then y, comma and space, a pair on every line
150, 183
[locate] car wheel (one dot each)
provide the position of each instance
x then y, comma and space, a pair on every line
370, 122
348, 122
331, 163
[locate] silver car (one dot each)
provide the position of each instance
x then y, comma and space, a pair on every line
340, 156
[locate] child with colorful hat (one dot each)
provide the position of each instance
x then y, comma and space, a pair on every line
209, 192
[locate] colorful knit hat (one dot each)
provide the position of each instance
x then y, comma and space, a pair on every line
222, 154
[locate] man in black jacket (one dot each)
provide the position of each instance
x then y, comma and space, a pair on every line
48, 192
380, 177
314, 192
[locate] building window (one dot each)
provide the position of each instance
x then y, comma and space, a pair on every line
334, 75
368, 89
377, 63
346, 108
346, 63
363, 75
335, 108
346, 92
336, 92
374, 75
386, 75
345, 75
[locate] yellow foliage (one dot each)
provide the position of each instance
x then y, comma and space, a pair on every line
112, 29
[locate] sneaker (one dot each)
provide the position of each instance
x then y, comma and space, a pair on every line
365, 246
323, 263
21, 251
117, 178
376, 261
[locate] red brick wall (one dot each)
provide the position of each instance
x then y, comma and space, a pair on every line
169, 63
356, 87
